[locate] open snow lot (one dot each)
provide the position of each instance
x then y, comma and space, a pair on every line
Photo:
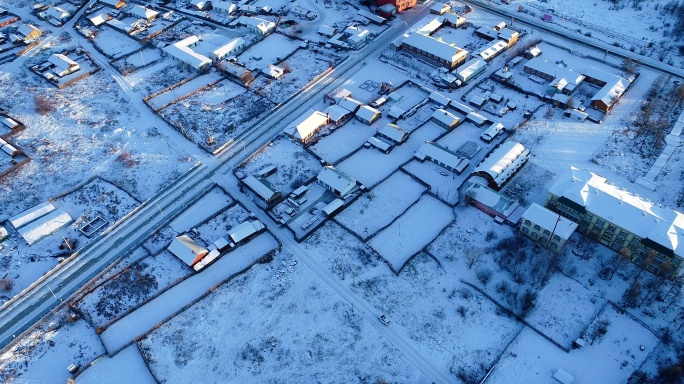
42, 356
132, 63
183, 91
295, 164
443, 184
610, 358
131, 287
205, 208
456, 327
157, 76
265, 340
342, 141
563, 309
272, 50
126, 366
113, 43
371, 166
379, 207
420, 224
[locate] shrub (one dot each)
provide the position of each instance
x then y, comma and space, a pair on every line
43, 105
484, 275
6, 284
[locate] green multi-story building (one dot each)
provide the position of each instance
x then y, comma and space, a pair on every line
650, 234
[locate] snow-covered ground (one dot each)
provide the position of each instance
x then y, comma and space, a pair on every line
111, 369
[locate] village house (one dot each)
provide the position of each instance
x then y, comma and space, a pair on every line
502, 163
650, 234
305, 130
63, 65
442, 156
445, 119
442, 53
440, 99
386, 11
99, 18
471, 69
55, 15
7, 20
327, 31
440, 8
400, 5
555, 72
187, 250
487, 33
262, 188
28, 32
140, 12
613, 87
231, 48
114, 3
476, 118
546, 227
367, 114
494, 49
182, 51
393, 133
336, 181
257, 25
336, 114
501, 208
225, 7
349, 104
493, 131
509, 36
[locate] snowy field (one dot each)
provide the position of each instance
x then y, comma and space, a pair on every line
157, 76
42, 357
147, 317
371, 166
110, 370
379, 207
113, 43
295, 164
343, 141
272, 50
420, 224
443, 183
205, 208
611, 358
183, 91
131, 287
134, 62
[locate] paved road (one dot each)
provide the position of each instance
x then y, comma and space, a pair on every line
24, 310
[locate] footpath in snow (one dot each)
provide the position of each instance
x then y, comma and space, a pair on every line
165, 306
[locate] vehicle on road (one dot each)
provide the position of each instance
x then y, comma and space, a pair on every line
384, 319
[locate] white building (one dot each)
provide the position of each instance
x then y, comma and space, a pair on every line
63, 65
182, 51
231, 48
257, 25
244, 231
546, 227
141, 12
445, 119
367, 114
442, 156
305, 130
471, 69
502, 163
186, 249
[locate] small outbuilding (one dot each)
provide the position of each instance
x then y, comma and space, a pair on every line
186, 249
367, 114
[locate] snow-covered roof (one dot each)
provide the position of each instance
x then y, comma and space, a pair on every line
224, 6
440, 49
181, 51
393, 132
488, 32
460, 107
445, 117
440, 7
550, 220
493, 49
439, 98
379, 143
57, 13
534, 51
554, 70
258, 186
333, 206
9, 122
336, 112
576, 113
371, 16
313, 122
611, 91
503, 161
642, 217
490, 198
229, 47
27, 216
244, 230
470, 67
44, 226
26, 29
264, 26
507, 34
142, 12
367, 113
493, 130
349, 104
476, 118
476, 100
62, 62
337, 180
113, 3
187, 250
430, 28
98, 19
443, 155
563, 377
327, 31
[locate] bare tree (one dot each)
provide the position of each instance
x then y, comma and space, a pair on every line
472, 256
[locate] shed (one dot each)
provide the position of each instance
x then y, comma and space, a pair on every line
477, 101
336, 114
442, 156
186, 249
262, 188
575, 114
471, 69
502, 163
333, 207
495, 97
367, 114
63, 65
563, 377
491, 132
439, 99
395, 112
307, 128
327, 31
350, 104
379, 143
245, 231
476, 119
